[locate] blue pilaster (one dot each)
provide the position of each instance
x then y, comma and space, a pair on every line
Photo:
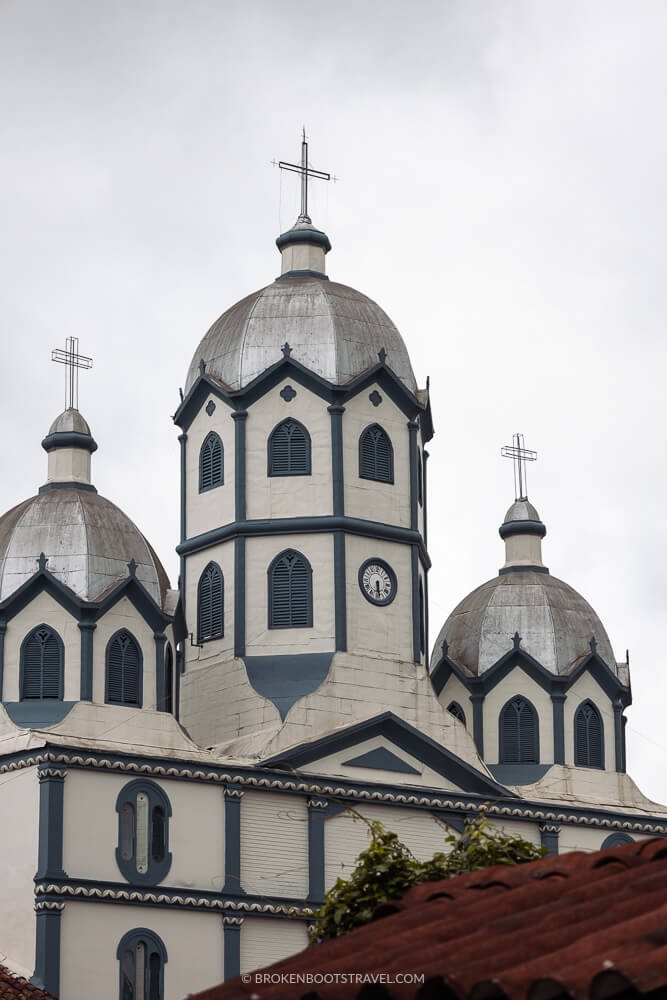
231, 931
47, 947
87, 629
549, 833
160, 685
232, 884
51, 800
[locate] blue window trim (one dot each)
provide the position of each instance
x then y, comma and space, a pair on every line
216, 439
157, 870
578, 763
502, 758
61, 647
616, 840
129, 941
309, 596
390, 480
140, 671
455, 709
212, 565
307, 471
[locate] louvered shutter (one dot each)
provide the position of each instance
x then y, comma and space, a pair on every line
211, 462
51, 667
210, 606
519, 733
42, 665
509, 735
289, 450
279, 452
528, 735
455, 709
299, 458
376, 457
130, 671
115, 671
299, 593
280, 594
32, 667
588, 737
158, 834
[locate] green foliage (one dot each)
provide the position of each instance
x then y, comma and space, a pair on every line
386, 869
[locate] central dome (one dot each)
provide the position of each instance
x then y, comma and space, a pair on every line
331, 329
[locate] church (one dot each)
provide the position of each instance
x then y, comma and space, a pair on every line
183, 766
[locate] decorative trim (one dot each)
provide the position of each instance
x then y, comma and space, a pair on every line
210, 408
239, 596
69, 439
86, 686
315, 237
47, 949
375, 397
50, 849
305, 526
413, 427
510, 528
232, 884
319, 785
381, 759
305, 272
69, 485
182, 580
522, 569
287, 393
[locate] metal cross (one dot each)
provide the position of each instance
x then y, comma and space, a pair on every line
71, 358
519, 456
305, 171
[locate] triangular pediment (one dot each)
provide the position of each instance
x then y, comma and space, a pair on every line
387, 750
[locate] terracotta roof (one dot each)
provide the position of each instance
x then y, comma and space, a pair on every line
17, 988
576, 925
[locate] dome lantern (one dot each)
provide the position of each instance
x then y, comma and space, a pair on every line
523, 531
69, 445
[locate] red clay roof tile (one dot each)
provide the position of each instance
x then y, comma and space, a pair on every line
17, 988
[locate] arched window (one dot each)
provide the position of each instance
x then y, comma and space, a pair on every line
211, 604
169, 680
42, 662
289, 449
588, 736
124, 681
290, 591
616, 840
455, 709
211, 463
142, 957
519, 733
376, 455
143, 832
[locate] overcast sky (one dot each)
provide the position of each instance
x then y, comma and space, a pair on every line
501, 194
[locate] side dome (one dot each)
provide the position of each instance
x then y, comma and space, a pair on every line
87, 540
331, 329
555, 624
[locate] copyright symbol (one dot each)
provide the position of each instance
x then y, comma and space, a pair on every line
246, 978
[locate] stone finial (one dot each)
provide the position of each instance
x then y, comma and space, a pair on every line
42, 561
287, 350
202, 366
382, 355
132, 567
445, 648
593, 644
516, 640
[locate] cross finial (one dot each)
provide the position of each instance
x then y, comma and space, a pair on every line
305, 172
132, 567
286, 349
519, 456
382, 355
516, 640
593, 644
42, 561
71, 358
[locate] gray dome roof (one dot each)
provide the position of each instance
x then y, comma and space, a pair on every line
333, 330
69, 422
87, 540
554, 621
521, 510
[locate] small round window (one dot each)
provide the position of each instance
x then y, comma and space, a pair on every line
143, 832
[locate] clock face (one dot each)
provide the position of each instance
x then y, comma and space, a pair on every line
377, 581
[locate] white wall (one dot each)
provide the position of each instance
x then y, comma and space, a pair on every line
260, 640
19, 807
43, 609
196, 830
583, 689
517, 682
379, 631
454, 690
204, 511
274, 844
265, 941
288, 496
91, 933
385, 502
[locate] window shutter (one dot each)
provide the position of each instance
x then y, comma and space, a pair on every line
115, 671
588, 737
289, 450
210, 604
158, 834
123, 663
211, 462
455, 709
519, 733
376, 455
154, 977
42, 664
130, 671
290, 598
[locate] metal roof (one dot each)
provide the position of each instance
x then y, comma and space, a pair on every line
88, 542
333, 330
69, 421
554, 621
576, 925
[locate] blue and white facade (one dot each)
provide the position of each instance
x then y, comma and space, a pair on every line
177, 764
